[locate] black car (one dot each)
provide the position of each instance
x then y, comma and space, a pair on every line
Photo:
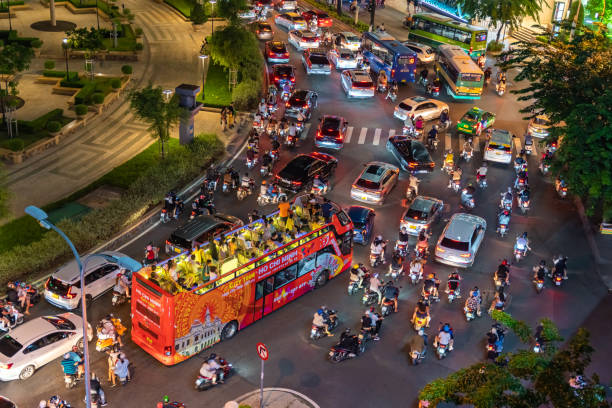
300, 172
301, 100
199, 230
411, 155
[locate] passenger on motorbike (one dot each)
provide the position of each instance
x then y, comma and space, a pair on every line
418, 342
416, 268
292, 132
390, 293
540, 271
499, 302
422, 241
522, 243
449, 160
266, 160
397, 261
349, 341
71, 366
263, 108
445, 337
560, 266
409, 124
431, 285
392, 94
403, 237
453, 282
444, 118
122, 284
413, 183
375, 287
507, 199
419, 123
521, 177
472, 303
210, 369
374, 320
502, 274
503, 218
287, 88
378, 248
358, 272
432, 135
520, 164
319, 184
455, 176
320, 321
421, 311
468, 150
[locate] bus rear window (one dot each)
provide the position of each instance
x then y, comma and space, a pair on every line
471, 77
143, 310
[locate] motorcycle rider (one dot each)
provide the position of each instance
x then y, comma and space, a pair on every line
455, 177
421, 311
266, 160
349, 341
70, 366
423, 76
495, 337
263, 190
503, 218
481, 173
500, 300
422, 241
521, 176
473, 302
418, 124
560, 266
287, 88
522, 244
263, 108
445, 336
392, 94
358, 272
375, 321
382, 83
468, 150
397, 261
318, 184
95, 386
292, 132
418, 342
540, 271
390, 293
501, 86
403, 237
524, 195
409, 124
449, 160
375, 284
431, 285
416, 268
320, 321
432, 135
506, 200
247, 182
520, 164
502, 274
444, 118
413, 183
250, 156
209, 369
378, 248
453, 282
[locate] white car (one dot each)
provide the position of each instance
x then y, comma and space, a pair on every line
63, 286
539, 126
347, 40
342, 58
291, 21
303, 39
499, 146
425, 54
427, 108
248, 14
357, 84
284, 5
460, 240
38, 342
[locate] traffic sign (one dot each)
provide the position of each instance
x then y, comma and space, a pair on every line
262, 351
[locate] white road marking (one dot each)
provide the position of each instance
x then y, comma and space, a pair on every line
377, 137
391, 133
362, 135
349, 133
517, 144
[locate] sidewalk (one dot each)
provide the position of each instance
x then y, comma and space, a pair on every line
273, 398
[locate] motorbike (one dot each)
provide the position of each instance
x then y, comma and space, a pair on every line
519, 253
467, 198
453, 294
317, 332
250, 164
395, 272
107, 340
402, 248
470, 314
291, 141
467, 155
539, 285
263, 171
432, 144
429, 296
242, 193
420, 252
561, 189
501, 90
338, 353
414, 277
354, 286
498, 283
433, 90
521, 181
320, 189
448, 167
265, 199
544, 168
506, 204
495, 341
119, 298
523, 204
419, 323
164, 217
391, 95
444, 126
386, 307
369, 297
557, 278
519, 165
376, 259
203, 383
441, 350
71, 380
417, 357
456, 185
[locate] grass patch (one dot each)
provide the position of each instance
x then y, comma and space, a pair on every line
31, 131
97, 85
216, 92
183, 6
110, 10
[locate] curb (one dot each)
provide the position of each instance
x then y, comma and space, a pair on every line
285, 390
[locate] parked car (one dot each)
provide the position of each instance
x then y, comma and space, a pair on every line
460, 240
315, 62
303, 39
425, 54
299, 173
475, 121
38, 342
263, 31
63, 287
427, 108
411, 155
276, 52
199, 230
323, 19
331, 132
375, 182
421, 214
301, 100
342, 58
347, 40
539, 126
363, 223
290, 21
357, 84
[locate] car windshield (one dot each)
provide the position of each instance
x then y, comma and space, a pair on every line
277, 47
57, 286
9, 346
471, 117
541, 121
265, 27
346, 55
452, 244
298, 98
59, 322
420, 153
351, 38
331, 126
283, 70
369, 184
419, 210
496, 146
362, 83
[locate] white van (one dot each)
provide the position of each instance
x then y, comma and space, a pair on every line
499, 146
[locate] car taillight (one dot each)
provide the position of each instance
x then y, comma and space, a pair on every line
70, 295
276, 77
489, 149
440, 249
411, 165
168, 350
292, 79
287, 104
297, 183
465, 255
564, 189
257, 31
392, 73
6, 366
286, 54
354, 186
47, 283
411, 60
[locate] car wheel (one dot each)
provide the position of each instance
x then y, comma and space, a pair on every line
27, 372
229, 330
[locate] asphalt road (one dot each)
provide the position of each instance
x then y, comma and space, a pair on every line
382, 376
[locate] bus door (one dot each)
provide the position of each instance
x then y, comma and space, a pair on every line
264, 297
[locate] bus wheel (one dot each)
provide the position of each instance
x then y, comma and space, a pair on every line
229, 330
322, 279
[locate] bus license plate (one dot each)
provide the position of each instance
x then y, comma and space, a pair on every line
412, 226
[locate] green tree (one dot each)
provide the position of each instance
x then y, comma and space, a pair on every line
598, 7
571, 82
85, 39
228, 9
198, 14
5, 195
235, 47
523, 378
14, 58
502, 13
149, 104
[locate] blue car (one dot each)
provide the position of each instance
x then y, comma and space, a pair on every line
363, 221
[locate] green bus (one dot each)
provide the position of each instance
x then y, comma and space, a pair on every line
436, 30
464, 79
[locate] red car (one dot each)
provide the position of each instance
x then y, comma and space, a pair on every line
282, 73
323, 19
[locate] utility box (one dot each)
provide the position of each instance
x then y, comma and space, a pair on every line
187, 99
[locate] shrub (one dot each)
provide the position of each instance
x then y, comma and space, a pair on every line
543, 39
36, 43
126, 69
49, 64
16, 144
115, 83
198, 15
138, 47
138, 31
54, 126
126, 11
246, 94
40, 123
495, 46
80, 110
97, 98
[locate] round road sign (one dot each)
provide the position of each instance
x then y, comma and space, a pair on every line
262, 351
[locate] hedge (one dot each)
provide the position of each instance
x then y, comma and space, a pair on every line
102, 85
97, 98
126, 69
49, 64
246, 94
54, 126
495, 46
9, 37
80, 109
40, 123
53, 73
101, 224
16, 144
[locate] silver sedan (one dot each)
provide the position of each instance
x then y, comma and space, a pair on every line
427, 108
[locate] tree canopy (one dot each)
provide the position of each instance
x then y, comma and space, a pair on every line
85, 39
571, 82
228, 9
524, 378
507, 12
237, 48
598, 7
149, 104
14, 58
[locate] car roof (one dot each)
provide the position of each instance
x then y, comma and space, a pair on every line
299, 94
33, 329
358, 213
423, 204
348, 34
323, 156
413, 100
292, 15
375, 170
476, 109
331, 120
70, 271
305, 33
461, 226
500, 136
360, 75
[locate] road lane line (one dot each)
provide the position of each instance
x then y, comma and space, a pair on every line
391, 133
377, 137
362, 135
517, 144
349, 133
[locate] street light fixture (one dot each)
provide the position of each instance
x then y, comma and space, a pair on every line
124, 262
167, 94
205, 59
65, 46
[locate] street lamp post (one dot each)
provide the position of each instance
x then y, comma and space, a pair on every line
97, 16
205, 59
124, 262
212, 18
65, 46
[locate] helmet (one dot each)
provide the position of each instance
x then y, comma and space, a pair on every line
372, 309
506, 212
166, 398
430, 276
67, 356
524, 235
212, 356
390, 282
320, 312
542, 262
347, 330
379, 238
355, 266
376, 275
505, 262
263, 183
510, 190
446, 328
403, 229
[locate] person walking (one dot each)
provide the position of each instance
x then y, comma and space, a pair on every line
224, 118
231, 114
122, 369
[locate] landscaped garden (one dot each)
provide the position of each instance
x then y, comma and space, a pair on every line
216, 91
34, 130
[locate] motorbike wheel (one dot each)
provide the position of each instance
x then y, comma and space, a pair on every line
336, 358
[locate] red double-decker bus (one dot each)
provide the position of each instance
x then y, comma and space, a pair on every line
175, 319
